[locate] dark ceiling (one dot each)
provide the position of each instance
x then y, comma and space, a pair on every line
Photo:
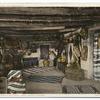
38, 20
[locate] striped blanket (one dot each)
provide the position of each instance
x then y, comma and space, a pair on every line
42, 75
45, 79
31, 71
96, 57
80, 89
15, 82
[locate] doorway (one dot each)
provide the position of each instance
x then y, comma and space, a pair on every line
44, 51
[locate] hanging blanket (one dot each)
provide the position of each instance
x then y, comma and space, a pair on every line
96, 56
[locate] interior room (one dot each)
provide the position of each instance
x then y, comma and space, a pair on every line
49, 50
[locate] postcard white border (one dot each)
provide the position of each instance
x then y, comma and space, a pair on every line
49, 3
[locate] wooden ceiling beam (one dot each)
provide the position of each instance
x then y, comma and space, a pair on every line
44, 24
60, 29
47, 17
50, 10
43, 21
33, 29
10, 32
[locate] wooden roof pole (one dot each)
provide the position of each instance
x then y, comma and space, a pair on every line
70, 34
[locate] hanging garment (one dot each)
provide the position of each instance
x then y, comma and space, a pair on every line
17, 61
96, 57
8, 58
76, 52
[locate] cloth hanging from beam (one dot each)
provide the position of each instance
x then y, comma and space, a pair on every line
67, 35
96, 57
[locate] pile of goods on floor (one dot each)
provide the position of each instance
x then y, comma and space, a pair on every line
74, 74
43, 80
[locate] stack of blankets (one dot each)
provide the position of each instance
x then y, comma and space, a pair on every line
15, 82
31, 71
43, 80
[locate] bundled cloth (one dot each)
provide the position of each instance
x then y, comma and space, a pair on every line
15, 82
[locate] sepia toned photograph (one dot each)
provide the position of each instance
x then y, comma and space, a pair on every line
49, 50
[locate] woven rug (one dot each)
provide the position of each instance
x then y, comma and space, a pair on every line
45, 79
80, 89
30, 71
15, 82
42, 75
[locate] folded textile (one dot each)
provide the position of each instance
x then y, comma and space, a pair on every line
45, 79
15, 82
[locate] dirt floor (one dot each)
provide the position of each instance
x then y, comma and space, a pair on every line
33, 87
38, 87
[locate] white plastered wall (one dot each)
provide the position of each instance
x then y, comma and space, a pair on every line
37, 54
88, 65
